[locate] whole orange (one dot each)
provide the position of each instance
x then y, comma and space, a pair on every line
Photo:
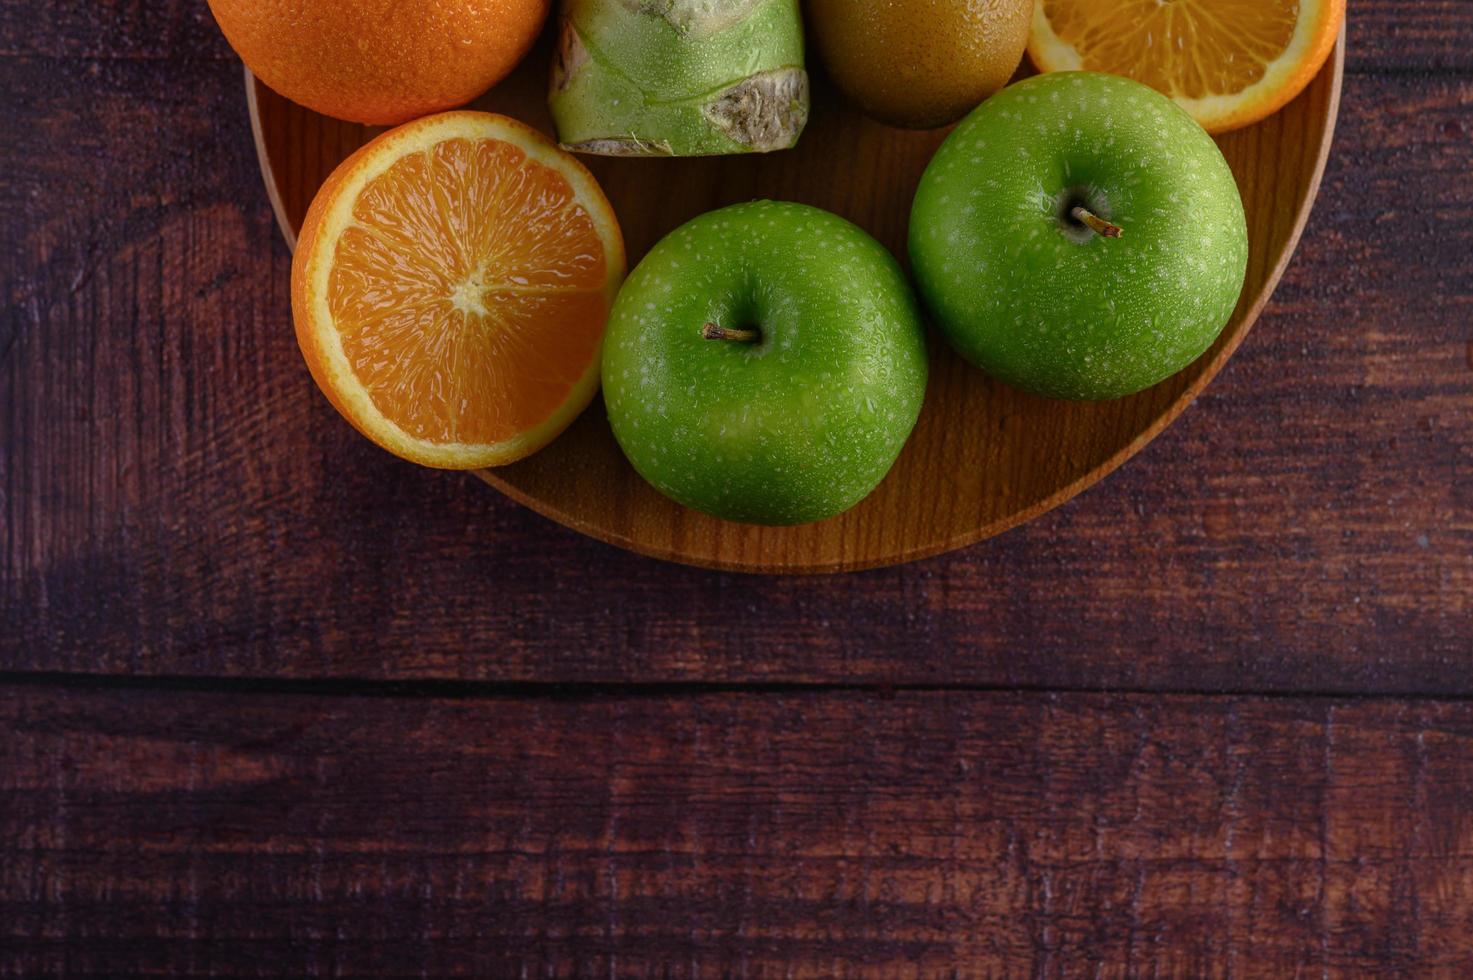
380, 61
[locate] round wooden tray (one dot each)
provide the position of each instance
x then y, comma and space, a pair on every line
983, 457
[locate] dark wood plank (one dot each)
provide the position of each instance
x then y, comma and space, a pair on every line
155, 30
175, 498
834, 834
1418, 36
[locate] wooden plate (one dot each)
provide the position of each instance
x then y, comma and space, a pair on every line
983, 457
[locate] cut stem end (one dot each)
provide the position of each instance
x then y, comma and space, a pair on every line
1095, 223
712, 331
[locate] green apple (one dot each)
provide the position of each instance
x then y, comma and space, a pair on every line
765, 363
1079, 236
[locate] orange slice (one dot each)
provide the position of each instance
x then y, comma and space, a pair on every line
1227, 62
450, 289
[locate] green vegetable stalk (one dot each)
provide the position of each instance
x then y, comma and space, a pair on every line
679, 77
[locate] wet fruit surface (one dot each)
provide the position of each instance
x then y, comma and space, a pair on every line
381, 63
451, 289
1227, 62
1025, 289
919, 63
798, 415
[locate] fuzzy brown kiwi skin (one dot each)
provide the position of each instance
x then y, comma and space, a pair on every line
919, 64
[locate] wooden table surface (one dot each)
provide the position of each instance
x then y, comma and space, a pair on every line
272, 702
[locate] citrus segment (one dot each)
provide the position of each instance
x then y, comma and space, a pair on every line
1227, 62
451, 286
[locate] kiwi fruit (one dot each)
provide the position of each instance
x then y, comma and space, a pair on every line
919, 64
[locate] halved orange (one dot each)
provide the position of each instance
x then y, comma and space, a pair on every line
450, 288
1227, 62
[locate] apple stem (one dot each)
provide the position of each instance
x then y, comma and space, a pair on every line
1095, 223
713, 332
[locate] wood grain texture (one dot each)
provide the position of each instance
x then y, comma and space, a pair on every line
176, 499
983, 458
924, 835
